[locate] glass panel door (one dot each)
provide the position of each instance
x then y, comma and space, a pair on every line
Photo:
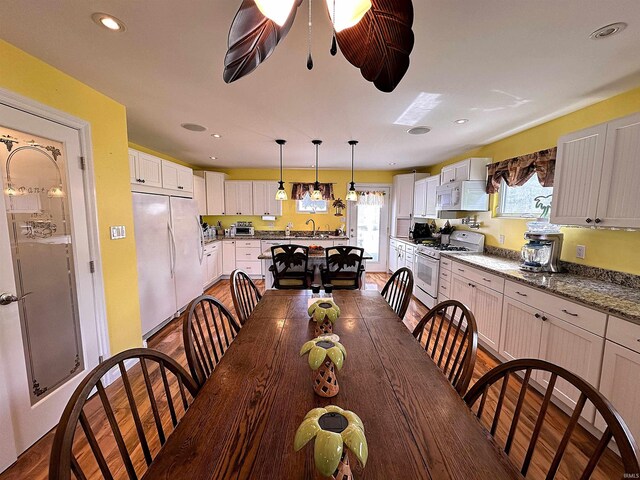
368, 228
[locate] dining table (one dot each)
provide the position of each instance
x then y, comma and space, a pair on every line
242, 423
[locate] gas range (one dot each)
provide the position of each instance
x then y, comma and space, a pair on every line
460, 242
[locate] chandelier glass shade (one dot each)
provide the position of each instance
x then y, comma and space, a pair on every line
276, 10
347, 12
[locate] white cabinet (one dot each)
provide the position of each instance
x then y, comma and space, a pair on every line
149, 174
214, 192
211, 263
403, 195
238, 197
264, 198
420, 198
133, 166
200, 194
521, 330
596, 177
468, 169
228, 256
393, 255
146, 170
176, 177
431, 184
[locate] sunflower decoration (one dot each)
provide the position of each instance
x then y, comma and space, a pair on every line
333, 428
325, 357
324, 313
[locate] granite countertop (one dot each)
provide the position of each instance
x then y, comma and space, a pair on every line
315, 254
269, 236
618, 300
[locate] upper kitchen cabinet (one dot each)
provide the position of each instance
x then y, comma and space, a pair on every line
596, 178
145, 169
424, 197
214, 201
264, 198
432, 200
402, 201
200, 193
176, 177
469, 169
238, 197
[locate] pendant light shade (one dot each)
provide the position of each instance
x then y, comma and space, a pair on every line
281, 193
276, 10
352, 195
347, 12
316, 194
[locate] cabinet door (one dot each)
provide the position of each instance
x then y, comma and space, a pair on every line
575, 349
462, 291
150, 170
204, 269
448, 174
620, 383
274, 207
215, 185
393, 258
420, 199
200, 194
260, 207
403, 185
487, 308
244, 195
577, 177
461, 171
521, 330
170, 175
228, 257
133, 166
185, 179
619, 193
431, 198
231, 197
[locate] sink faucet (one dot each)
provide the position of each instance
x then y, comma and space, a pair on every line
314, 226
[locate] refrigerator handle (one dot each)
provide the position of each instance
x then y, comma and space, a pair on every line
201, 254
173, 250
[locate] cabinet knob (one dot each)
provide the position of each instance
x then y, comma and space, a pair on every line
598, 220
537, 315
544, 319
588, 220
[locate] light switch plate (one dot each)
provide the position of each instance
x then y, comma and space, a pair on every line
118, 232
581, 251
501, 239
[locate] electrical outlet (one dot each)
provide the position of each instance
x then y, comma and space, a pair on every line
581, 251
501, 239
118, 232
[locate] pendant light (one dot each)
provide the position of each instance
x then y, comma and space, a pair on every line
352, 196
281, 194
347, 13
276, 10
317, 194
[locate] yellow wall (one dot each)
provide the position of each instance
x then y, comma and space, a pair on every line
615, 250
26, 75
340, 178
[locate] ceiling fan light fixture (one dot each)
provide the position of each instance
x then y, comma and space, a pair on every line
276, 10
348, 12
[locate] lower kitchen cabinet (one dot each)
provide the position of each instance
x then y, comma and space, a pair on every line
521, 330
393, 256
228, 256
211, 263
487, 308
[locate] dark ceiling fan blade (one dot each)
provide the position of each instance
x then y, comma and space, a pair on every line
380, 44
252, 39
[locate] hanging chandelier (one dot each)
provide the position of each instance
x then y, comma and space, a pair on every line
316, 194
352, 195
375, 36
281, 193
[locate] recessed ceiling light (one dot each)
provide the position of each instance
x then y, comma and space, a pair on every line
216, 135
392, 163
608, 30
460, 121
418, 130
213, 158
108, 21
193, 127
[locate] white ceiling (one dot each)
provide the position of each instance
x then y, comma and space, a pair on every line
503, 64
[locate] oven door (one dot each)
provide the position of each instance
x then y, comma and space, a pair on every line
427, 271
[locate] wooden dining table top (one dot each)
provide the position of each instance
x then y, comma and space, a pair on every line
243, 422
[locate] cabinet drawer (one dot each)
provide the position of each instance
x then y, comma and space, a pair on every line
444, 289
248, 243
250, 266
393, 243
410, 249
409, 257
578, 315
400, 246
243, 253
624, 333
445, 263
479, 277
445, 277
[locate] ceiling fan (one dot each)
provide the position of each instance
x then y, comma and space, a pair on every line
373, 35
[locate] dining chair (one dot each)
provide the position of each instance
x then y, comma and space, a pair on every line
398, 290
244, 293
521, 371
290, 267
207, 333
155, 400
343, 267
451, 341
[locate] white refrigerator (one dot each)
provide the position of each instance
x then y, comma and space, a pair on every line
169, 252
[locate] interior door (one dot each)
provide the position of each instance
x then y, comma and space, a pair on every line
48, 331
369, 227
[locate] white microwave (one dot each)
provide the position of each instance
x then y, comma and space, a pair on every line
468, 195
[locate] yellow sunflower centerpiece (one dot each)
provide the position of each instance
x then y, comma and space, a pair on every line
325, 357
333, 428
324, 313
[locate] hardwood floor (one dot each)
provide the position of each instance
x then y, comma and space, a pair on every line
33, 464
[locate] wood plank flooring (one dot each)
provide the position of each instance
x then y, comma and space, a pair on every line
33, 464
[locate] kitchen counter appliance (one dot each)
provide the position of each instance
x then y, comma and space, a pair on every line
541, 253
242, 229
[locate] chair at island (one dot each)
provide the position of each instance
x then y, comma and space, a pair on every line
290, 267
343, 268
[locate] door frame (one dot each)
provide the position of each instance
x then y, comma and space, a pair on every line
351, 209
83, 127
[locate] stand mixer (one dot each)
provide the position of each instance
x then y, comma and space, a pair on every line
541, 253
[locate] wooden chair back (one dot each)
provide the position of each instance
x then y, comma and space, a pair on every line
449, 334
244, 293
343, 267
155, 413
290, 267
398, 290
207, 333
521, 371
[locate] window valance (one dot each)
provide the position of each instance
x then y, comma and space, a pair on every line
370, 198
517, 171
299, 189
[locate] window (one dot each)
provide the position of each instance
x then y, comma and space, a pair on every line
531, 200
306, 205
